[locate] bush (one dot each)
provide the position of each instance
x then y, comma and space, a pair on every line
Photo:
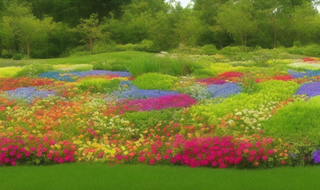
6, 54
98, 85
209, 49
299, 121
17, 56
151, 81
34, 70
9, 71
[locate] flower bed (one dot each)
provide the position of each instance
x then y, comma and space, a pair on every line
232, 119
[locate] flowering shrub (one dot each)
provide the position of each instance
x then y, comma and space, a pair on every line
151, 81
309, 89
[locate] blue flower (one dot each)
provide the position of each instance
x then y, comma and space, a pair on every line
316, 156
309, 89
28, 93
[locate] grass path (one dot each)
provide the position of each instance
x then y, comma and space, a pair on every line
103, 176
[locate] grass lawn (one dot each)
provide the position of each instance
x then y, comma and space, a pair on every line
125, 55
103, 176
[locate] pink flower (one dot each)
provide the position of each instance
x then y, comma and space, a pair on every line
214, 163
270, 152
141, 158
13, 163
22, 150
52, 142
55, 159
258, 158
39, 154
223, 165
166, 157
169, 151
101, 154
60, 161
152, 161
238, 160
27, 153
173, 160
251, 158
6, 160
158, 156
49, 156
32, 149
258, 144
264, 157
18, 156
12, 153
119, 157
253, 153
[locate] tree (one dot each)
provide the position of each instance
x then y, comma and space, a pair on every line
21, 27
236, 17
90, 30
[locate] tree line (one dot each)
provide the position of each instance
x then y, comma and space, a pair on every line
53, 28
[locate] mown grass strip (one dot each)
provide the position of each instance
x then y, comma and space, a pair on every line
103, 176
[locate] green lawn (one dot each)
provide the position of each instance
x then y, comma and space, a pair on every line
103, 176
125, 55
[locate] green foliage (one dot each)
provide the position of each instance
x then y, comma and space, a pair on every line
155, 81
209, 49
6, 54
145, 119
98, 85
309, 50
171, 66
17, 56
111, 65
230, 50
297, 122
9, 71
34, 70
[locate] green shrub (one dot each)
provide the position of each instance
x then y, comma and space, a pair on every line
9, 71
230, 50
297, 122
17, 56
34, 70
145, 119
155, 81
6, 54
98, 85
209, 49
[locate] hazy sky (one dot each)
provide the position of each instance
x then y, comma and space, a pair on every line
184, 3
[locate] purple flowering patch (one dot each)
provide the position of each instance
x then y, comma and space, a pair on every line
309, 89
28, 93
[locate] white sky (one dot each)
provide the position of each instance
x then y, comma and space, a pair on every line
184, 3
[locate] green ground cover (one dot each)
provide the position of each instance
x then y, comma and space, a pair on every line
102, 176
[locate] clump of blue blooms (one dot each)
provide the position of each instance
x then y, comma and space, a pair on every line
28, 93
309, 89
316, 156
224, 90
133, 92
72, 76
58, 76
303, 74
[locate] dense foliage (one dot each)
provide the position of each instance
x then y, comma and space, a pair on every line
44, 29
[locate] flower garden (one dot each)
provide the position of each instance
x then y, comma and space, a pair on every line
220, 116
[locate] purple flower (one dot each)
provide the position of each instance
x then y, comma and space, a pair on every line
309, 89
28, 93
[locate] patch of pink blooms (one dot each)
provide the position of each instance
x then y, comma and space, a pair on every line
220, 152
13, 151
180, 100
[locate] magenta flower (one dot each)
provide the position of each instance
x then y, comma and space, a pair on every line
12, 153
270, 152
152, 161
60, 161
18, 156
27, 153
264, 157
141, 158
32, 149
